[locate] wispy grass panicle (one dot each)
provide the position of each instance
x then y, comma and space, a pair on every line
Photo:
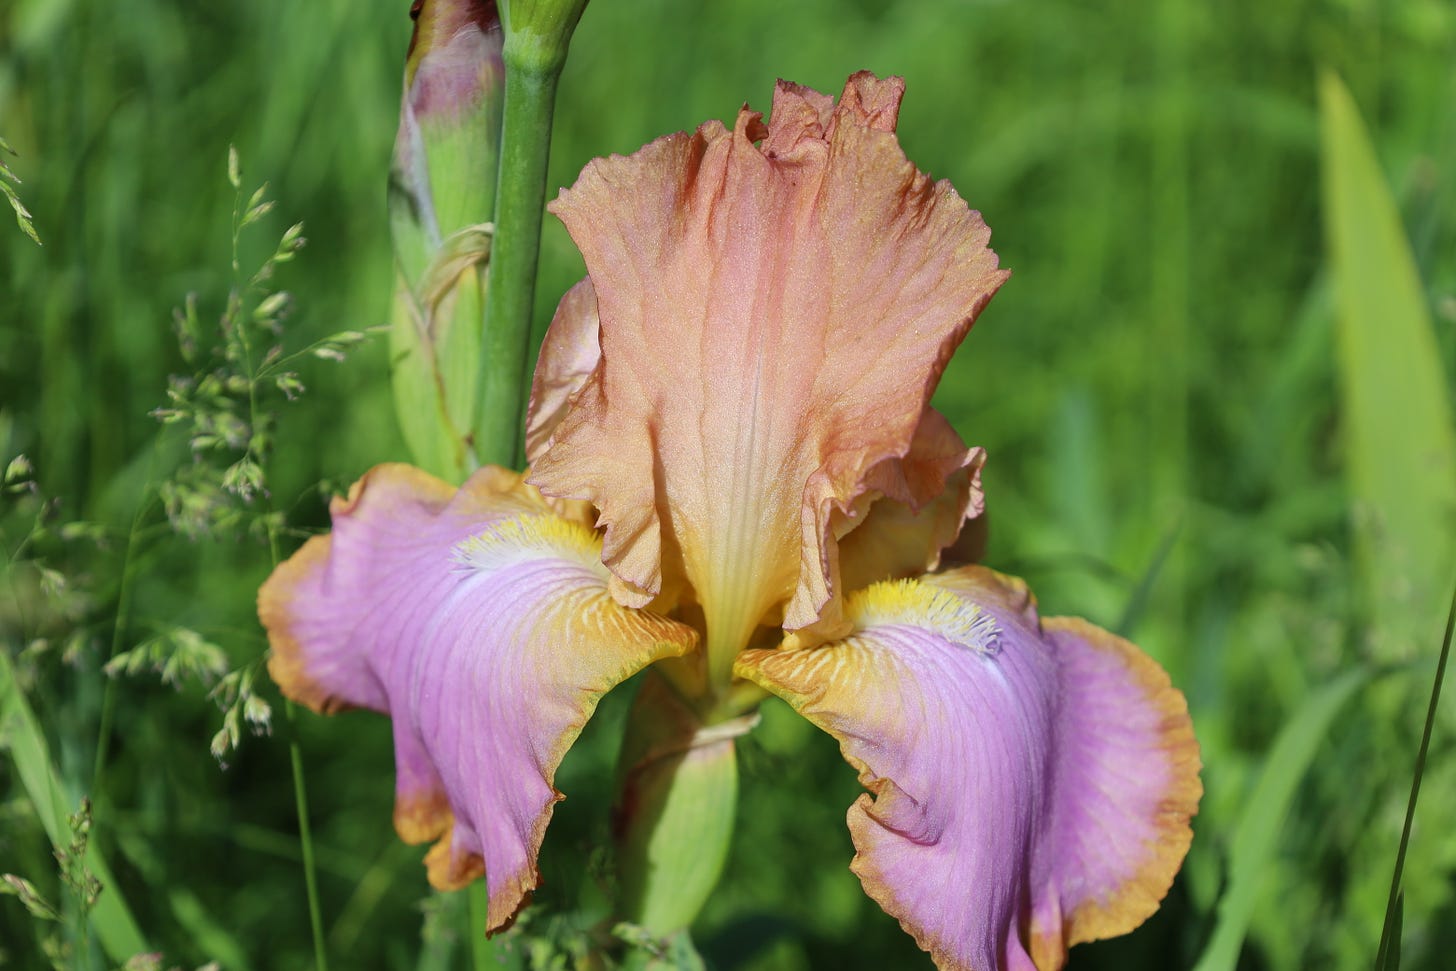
229, 407
177, 654
228, 434
241, 703
243, 374
155, 962
22, 214
62, 926
47, 597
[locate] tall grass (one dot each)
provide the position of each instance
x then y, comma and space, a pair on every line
1171, 416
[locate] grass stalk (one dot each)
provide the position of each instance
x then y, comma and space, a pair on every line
1390, 933
118, 634
305, 843
295, 752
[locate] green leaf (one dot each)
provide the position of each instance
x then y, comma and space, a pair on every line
21, 736
1400, 450
209, 936
1255, 839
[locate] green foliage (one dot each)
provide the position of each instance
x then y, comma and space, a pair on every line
1400, 447
84, 875
1255, 839
1172, 358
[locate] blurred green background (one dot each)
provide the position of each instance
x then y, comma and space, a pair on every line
1173, 389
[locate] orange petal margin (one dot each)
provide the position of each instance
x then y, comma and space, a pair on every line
1030, 785
479, 621
777, 304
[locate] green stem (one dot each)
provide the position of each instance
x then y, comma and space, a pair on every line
305, 842
481, 953
530, 99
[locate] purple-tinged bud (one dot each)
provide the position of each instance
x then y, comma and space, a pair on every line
442, 198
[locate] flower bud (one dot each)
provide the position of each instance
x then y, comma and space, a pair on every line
539, 31
442, 197
674, 815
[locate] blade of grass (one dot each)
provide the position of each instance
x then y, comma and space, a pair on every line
210, 937
1400, 449
370, 888
1389, 960
1390, 933
21, 735
1137, 604
120, 624
1255, 839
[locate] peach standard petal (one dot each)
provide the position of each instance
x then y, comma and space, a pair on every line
568, 356
776, 305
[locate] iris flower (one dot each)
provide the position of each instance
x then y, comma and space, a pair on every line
735, 474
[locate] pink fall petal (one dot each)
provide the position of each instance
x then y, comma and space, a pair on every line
478, 620
1030, 785
774, 318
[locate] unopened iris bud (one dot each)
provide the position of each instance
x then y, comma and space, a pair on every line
673, 820
442, 197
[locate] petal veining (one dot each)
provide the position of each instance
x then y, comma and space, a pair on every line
776, 306
1030, 785
480, 621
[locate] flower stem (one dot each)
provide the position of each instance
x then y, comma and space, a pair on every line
481, 952
530, 99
